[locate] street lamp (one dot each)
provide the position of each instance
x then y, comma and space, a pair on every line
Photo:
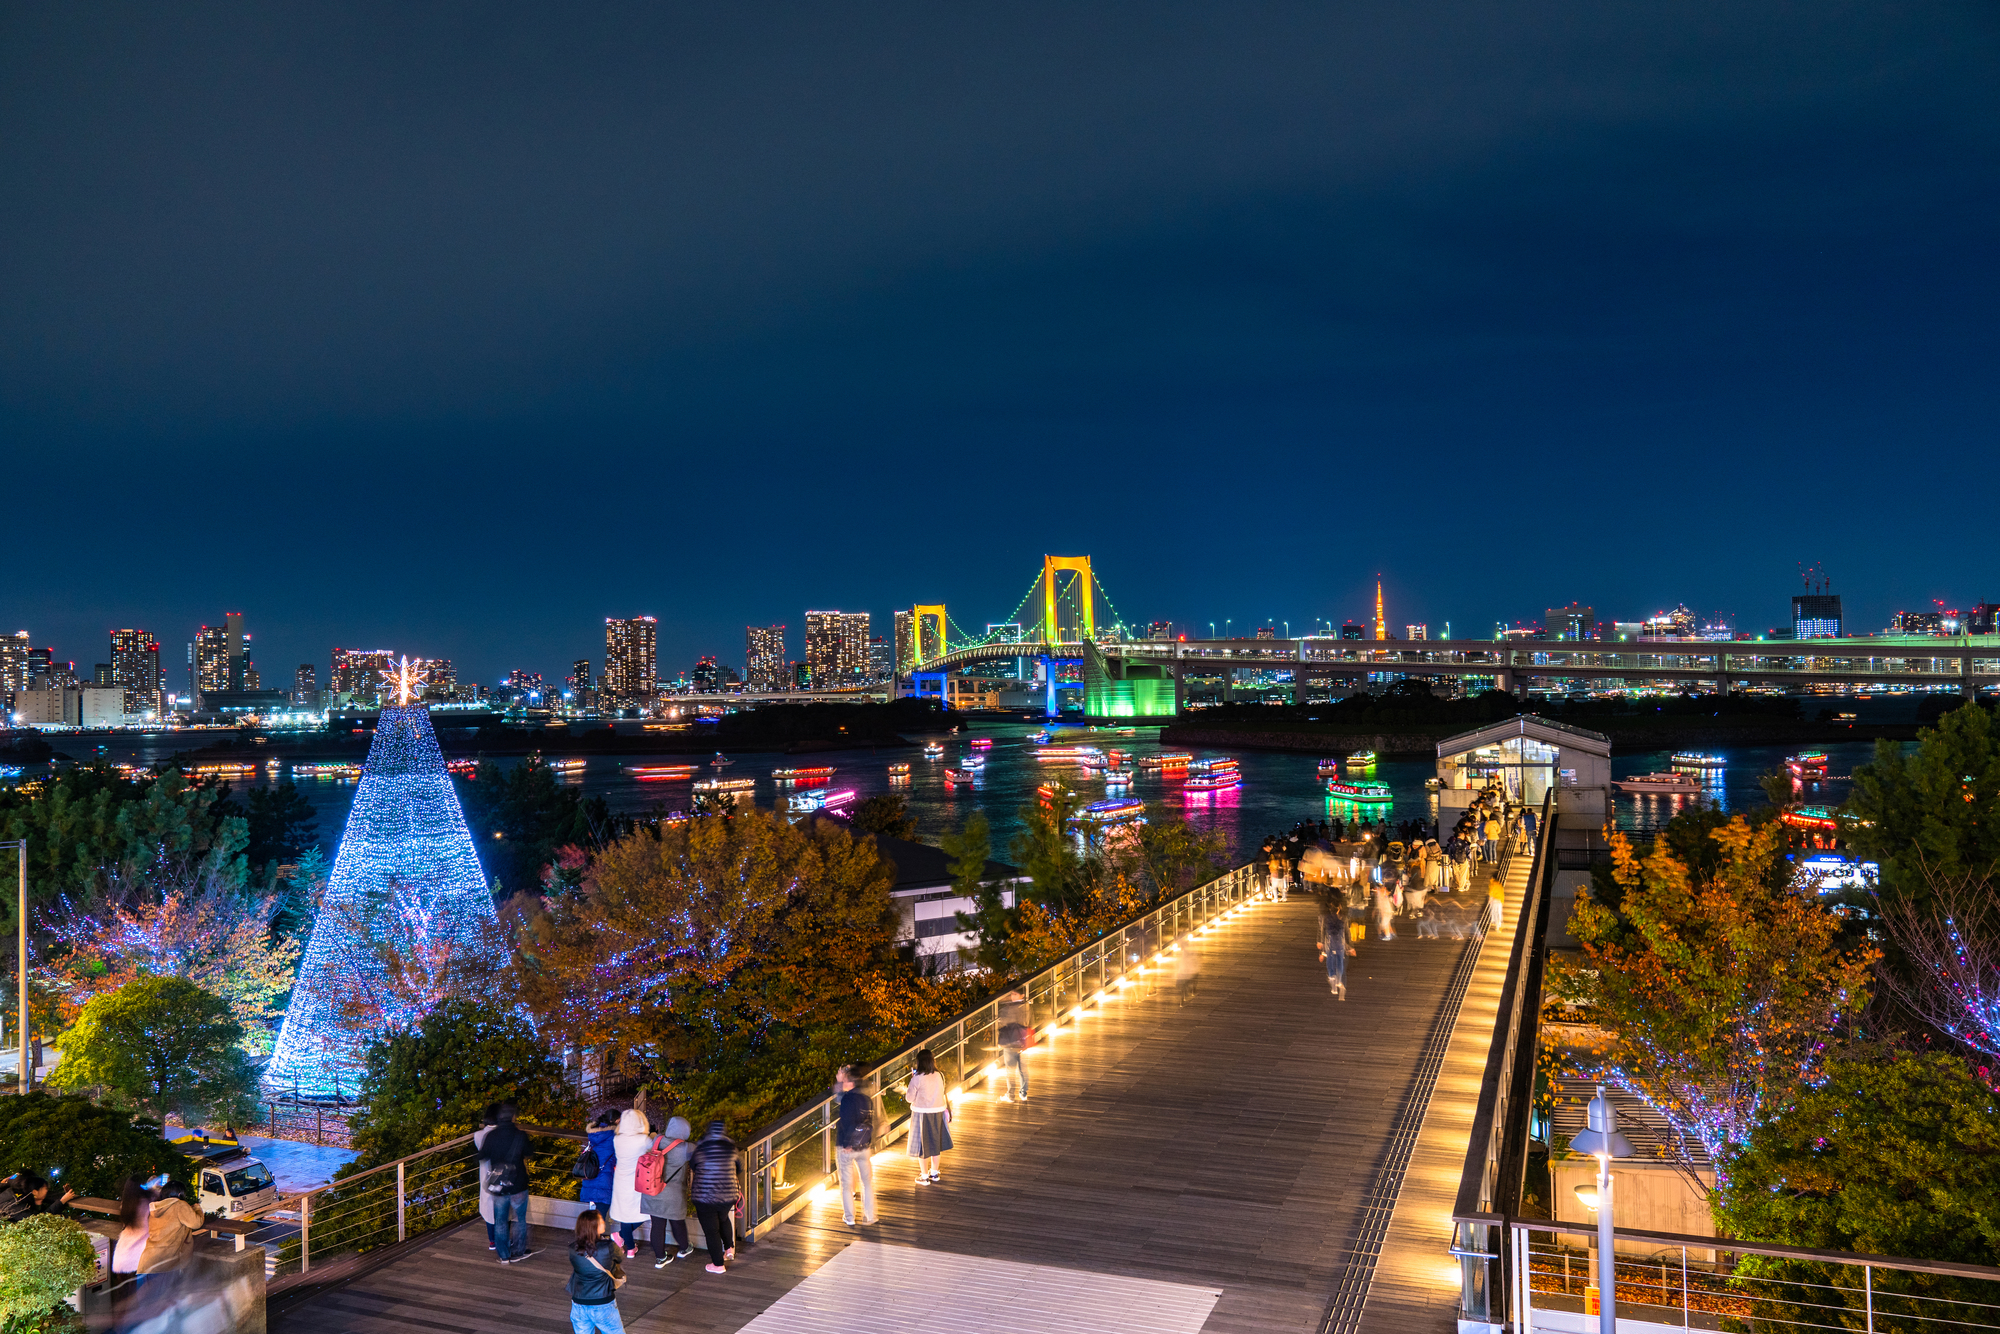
1211, 629
1602, 1140
1288, 629
25, 1083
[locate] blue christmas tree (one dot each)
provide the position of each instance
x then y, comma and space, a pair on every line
406, 863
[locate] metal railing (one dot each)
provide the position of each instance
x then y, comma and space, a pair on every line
1706, 1283
1496, 1159
783, 1165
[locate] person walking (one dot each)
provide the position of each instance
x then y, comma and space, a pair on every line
930, 1118
854, 1146
596, 1272
600, 1134
714, 1166
635, 1136
1013, 1034
667, 1206
1187, 969
1333, 940
1492, 831
1384, 890
505, 1153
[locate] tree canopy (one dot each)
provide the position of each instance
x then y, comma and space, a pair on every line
89, 1148
163, 1047
521, 814
1938, 808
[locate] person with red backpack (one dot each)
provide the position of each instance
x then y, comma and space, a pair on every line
663, 1183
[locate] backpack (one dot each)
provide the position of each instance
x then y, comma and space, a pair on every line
651, 1174
863, 1133
587, 1166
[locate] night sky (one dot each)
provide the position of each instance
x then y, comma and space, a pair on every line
455, 329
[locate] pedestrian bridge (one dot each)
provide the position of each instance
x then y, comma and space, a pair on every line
1257, 1156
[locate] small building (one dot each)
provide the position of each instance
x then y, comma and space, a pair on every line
927, 901
1527, 757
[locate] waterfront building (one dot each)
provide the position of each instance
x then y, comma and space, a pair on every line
135, 668
1816, 616
905, 642
881, 659
208, 660
1352, 631
837, 646
440, 678
356, 677
305, 686
14, 650
631, 659
1417, 631
1574, 621
764, 657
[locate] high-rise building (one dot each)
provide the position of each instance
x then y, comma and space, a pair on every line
305, 686
764, 657
239, 650
1160, 630
881, 659
1979, 621
905, 644
1352, 631
631, 659
440, 679
208, 660
135, 667
707, 675
802, 676
1575, 621
580, 678
100, 675
357, 674
1417, 631
1815, 615
837, 646
14, 651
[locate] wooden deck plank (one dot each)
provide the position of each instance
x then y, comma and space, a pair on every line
1223, 1144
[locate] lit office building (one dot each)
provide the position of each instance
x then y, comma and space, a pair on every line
764, 657
208, 660
904, 644
357, 674
14, 650
135, 669
837, 646
631, 659
1815, 615
305, 686
1417, 631
881, 659
1575, 621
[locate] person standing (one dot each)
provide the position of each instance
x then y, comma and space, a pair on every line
1333, 940
170, 1227
505, 1153
596, 1272
854, 1146
1012, 1035
930, 1118
635, 1136
667, 1207
714, 1166
485, 1200
596, 1190
1492, 836
1187, 969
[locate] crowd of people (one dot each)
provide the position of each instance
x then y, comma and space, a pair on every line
1371, 874
157, 1226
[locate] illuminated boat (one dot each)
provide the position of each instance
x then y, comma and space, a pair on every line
10, 771
1361, 794
820, 799
223, 770
1215, 766
1090, 757
817, 773
661, 773
1812, 819
725, 785
1040, 738
1166, 759
721, 761
1215, 780
1807, 764
959, 775
1329, 768
974, 762
1064, 753
1112, 811
1669, 784
1687, 759
1118, 774
1053, 791
900, 769
1361, 759
933, 750
565, 766
335, 769
981, 743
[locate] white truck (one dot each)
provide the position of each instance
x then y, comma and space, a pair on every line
230, 1183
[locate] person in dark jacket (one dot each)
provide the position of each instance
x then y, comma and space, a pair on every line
715, 1194
596, 1271
597, 1190
505, 1153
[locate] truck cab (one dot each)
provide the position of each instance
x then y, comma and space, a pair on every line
230, 1183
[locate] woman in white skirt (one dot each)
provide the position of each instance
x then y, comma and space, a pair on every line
930, 1118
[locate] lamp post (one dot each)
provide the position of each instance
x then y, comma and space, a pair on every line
1602, 1140
26, 1081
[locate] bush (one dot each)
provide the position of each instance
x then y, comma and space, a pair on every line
43, 1260
85, 1148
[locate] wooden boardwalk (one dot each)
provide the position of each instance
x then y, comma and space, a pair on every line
1215, 1154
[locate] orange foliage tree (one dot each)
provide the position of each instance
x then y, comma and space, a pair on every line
1720, 984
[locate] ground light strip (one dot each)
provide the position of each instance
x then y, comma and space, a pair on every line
1343, 1313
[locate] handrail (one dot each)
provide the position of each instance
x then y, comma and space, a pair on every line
1051, 992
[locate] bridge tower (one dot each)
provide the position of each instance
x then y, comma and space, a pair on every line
920, 615
1080, 566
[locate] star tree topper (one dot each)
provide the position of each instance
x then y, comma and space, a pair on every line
406, 678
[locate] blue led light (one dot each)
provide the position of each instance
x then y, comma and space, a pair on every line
405, 849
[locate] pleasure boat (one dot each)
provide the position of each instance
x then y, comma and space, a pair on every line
1112, 811
1361, 759
1688, 759
900, 769
817, 773
820, 799
1166, 759
1329, 768
952, 775
721, 761
720, 785
981, 743
1807, 764
933, 750
1361, 794
661, 773
1668, 784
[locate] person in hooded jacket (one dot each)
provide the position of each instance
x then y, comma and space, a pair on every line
597, 1190
634, 1137
714, 1166
669, 1209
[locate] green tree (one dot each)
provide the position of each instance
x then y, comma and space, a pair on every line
43, 1260
1893, 1153
91, 1149
990, 919
164, 1047
520, 815
282, 825
1938, 808
430, 1083
885, 813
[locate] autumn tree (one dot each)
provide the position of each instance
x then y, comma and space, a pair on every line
885, 813
1719, 983
163, 1047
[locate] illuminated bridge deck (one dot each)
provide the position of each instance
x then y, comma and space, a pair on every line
1206, 1167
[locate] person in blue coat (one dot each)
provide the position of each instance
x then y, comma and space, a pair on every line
597, 1190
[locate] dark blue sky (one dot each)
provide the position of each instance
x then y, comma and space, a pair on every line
456, 329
